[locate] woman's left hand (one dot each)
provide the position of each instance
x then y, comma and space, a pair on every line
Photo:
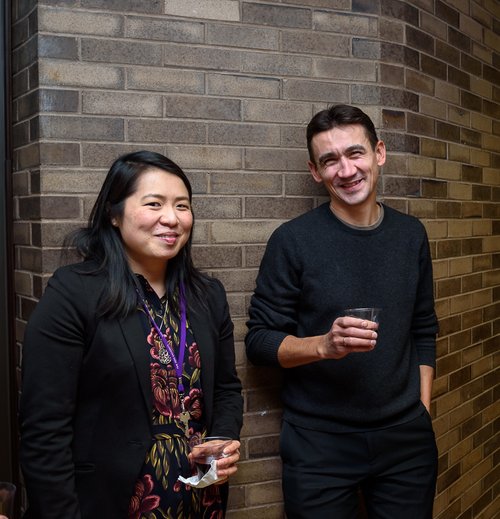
226, 466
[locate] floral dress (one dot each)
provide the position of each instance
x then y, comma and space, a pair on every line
158, 494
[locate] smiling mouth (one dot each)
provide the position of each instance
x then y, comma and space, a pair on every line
350, 185
168, 238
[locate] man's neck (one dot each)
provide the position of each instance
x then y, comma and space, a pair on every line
359, 217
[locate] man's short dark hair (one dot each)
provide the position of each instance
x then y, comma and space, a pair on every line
339, 115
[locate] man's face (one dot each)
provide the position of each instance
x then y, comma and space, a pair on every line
346, 164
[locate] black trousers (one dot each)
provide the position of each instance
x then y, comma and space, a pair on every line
395, 469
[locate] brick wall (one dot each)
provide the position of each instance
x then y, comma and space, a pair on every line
225, 88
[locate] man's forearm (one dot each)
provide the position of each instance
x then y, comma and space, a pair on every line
295, 351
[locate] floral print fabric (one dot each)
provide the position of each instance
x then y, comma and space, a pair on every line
158, 494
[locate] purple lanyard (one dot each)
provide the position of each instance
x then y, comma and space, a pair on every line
179, 362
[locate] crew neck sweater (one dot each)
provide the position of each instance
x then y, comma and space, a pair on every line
314, 267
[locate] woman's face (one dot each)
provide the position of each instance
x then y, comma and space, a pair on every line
156, 221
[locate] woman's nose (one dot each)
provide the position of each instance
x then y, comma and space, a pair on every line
168, 216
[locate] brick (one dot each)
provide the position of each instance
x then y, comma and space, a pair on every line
216, 257
244, 37
366, 49
117, 103
344, 5
243, 134
52, 234
249, 232
206, 157
62, 73
74, 21
121, 52
432, 148
227, 10
432, 25
24, 55
459, 39
356, 70
447, 53
80, 128
59, 153
420, 40
292, 136
355, 25
202, 107
277, 16
276, 111
245, 183
211, 207
276, 208
49, 207
315, 91
201, 57
392, 75
149, 130
304, 185
398, 186
365, 6
103, 155
391, 30
150, 28
275, 160
165, 80
52, 100
447, 13
276, 64
263, 493
60, 47
315, 43
242, 86
421, 125
400, 11
70, 181
151, 7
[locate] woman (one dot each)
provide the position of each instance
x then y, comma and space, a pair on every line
127, 357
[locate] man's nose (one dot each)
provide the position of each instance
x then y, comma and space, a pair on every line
346, 168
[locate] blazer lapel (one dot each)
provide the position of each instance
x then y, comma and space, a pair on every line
133, 334
200, 326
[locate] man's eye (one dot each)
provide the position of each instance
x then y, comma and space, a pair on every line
328, 163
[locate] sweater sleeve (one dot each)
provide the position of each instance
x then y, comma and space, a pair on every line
425, 323
274, 305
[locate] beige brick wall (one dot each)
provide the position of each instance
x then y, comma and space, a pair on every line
226, 88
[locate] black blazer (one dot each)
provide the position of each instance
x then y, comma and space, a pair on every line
86, 398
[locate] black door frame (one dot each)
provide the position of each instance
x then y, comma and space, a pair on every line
8, 383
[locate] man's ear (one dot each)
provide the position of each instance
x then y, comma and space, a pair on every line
314, 172
381, 153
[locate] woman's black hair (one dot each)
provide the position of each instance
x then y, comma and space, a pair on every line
101, 242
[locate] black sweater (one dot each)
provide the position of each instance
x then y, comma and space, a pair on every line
314, 267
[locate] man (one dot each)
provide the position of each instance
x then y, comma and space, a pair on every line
356, 393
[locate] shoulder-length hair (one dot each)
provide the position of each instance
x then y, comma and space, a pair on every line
101, 241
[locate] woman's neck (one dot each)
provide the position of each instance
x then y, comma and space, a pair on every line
155, 277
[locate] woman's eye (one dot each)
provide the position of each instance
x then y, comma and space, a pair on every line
184, 207
153, 204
